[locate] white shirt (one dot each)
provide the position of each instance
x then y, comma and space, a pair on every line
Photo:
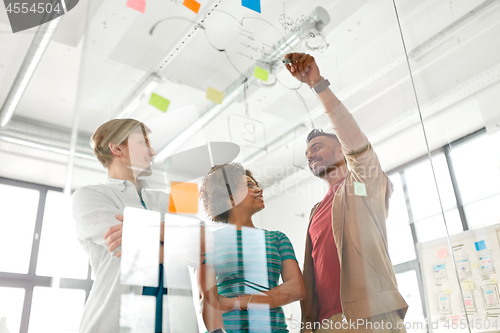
94, 210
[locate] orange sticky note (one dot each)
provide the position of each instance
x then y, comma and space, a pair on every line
442, 253
183, 198
192, 4
139, 5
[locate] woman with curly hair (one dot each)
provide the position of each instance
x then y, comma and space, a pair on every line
239, 279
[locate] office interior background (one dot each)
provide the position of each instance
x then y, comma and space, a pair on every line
420, 77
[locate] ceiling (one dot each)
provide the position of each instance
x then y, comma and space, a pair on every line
364, 62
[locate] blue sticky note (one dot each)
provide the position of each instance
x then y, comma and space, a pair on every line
480, 245
252, 4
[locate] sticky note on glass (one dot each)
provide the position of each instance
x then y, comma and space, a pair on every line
480, 245
140, 247
455, 319
214, 95
261, 73
192, 4
442, 253
251, 4
159, 102
468, 285
183, 198
493, 280
474, 265
139, 5
447, 291
360, 189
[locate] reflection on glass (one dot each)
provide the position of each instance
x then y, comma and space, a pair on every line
56, 310
18, 209
58, 232
178, 315
140, 247
137, 313
11, 308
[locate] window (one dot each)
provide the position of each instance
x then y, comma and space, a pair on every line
401, 245
478, 177
424, 199
408, 287
60, 253
11, 307
56, 310
37, 235
18, 209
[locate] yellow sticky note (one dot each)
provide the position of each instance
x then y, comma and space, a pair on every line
360, 189
447, 291
214, 95
261, 73
468, 285
159, 102
474, 265
493, 281
183, 198
193, 5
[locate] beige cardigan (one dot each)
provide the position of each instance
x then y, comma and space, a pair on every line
367, 281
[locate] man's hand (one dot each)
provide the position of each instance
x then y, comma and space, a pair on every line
113, 236
303, 67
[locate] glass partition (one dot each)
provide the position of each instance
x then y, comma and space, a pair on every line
453, 62
413, 219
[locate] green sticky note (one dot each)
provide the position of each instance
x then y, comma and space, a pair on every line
360, 189
214, 95
261, 73
159, 102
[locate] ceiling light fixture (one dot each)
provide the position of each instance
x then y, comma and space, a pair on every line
35, 53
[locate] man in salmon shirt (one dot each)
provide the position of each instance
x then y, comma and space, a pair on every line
349, 279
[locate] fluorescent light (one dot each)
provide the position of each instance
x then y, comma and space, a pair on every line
145, 89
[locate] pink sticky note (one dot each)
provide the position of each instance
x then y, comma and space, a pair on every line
442, 253
455, 318
139, 5
468, 303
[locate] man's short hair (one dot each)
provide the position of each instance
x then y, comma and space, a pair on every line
319, 132
114, 131
216, 189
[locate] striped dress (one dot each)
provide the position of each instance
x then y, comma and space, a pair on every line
248, 261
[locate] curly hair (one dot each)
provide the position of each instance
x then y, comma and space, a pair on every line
216, 188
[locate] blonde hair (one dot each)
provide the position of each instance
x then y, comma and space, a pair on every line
114, 131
